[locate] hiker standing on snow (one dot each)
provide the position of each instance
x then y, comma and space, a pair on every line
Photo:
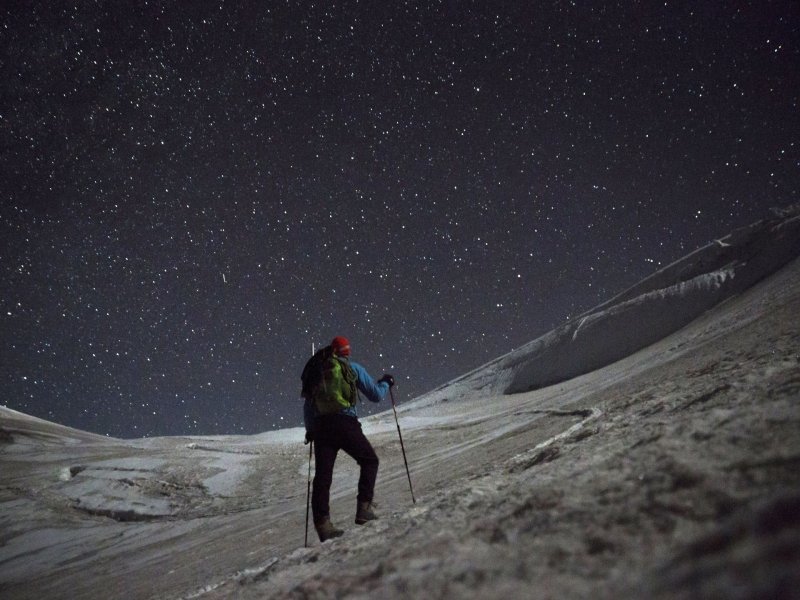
331, 382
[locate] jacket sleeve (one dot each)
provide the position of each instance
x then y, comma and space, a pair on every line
372, 390
309, 412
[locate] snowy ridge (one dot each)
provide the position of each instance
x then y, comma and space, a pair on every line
702, 284
773, 238
22, 432
643, 314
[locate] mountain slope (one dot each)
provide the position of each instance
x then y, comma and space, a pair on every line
672, 473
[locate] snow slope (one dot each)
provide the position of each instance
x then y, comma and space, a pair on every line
663, 463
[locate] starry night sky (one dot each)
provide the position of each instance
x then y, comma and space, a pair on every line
195, 192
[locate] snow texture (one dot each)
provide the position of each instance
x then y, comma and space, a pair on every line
648, 448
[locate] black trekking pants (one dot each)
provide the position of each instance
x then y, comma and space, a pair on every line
331, 434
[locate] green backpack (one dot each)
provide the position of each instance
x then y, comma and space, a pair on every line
329, 382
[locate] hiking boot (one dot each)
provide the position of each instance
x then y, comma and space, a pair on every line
365, 513
326, 530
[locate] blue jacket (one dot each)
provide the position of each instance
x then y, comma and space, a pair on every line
374, 391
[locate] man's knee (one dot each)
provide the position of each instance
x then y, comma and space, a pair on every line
370, 461
323, 475
322, 480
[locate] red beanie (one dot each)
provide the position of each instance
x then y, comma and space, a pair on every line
341, 346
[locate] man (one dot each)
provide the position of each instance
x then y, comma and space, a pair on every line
331, 382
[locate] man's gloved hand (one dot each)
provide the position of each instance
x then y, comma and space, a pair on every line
309, 437
387, 379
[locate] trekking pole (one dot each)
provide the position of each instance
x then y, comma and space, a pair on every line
403, 448
308, 491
